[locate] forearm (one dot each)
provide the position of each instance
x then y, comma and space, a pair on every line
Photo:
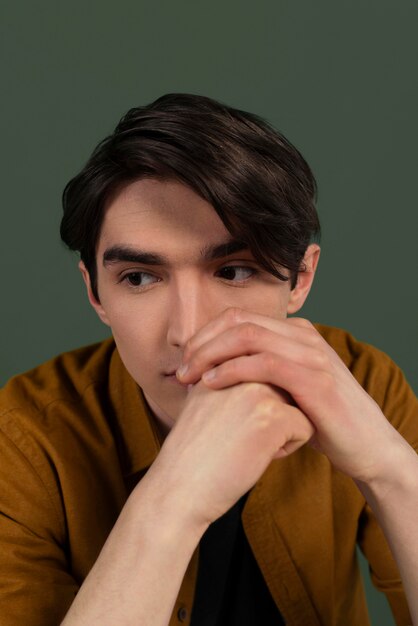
394, 501
138, 573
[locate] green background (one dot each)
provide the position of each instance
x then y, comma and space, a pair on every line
338, 78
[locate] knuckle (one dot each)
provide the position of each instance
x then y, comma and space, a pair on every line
234, 315
247, 332
269, 361
315, 337
268, 407
321, 360
260, 395
302, 322
264, 405
254, 390
309, 332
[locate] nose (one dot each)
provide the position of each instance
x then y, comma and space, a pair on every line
189, 310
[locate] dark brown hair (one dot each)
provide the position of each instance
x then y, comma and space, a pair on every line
258, 183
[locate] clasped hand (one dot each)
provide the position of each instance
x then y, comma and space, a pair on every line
291, 355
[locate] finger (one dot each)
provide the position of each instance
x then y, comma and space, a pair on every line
307, 386
303, 432
234, 316
240, 370
294, 429
300, 322
246, 339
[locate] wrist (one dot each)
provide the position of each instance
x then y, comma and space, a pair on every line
164, 504
397, 477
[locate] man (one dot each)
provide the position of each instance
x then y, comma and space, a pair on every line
217, 461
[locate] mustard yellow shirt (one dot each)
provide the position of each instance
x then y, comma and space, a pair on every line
75, 438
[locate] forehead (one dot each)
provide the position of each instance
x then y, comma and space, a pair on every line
161, 213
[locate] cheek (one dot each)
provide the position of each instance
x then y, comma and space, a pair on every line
272, 302
130, 316
138, 335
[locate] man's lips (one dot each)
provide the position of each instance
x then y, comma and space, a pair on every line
171, 372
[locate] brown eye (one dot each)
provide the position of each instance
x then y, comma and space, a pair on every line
139, 279
237, 273
134, 279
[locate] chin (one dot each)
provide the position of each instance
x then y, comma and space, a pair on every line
167, 400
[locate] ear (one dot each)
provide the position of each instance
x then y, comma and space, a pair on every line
305, 278
92, 298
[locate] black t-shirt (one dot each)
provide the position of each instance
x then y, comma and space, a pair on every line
230, 589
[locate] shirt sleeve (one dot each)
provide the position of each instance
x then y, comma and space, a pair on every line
36, 586
400, 406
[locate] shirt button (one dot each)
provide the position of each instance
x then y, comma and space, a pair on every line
182, 614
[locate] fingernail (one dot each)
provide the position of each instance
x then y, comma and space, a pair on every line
210, 375
182, 370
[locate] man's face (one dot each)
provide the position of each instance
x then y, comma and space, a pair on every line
163, 274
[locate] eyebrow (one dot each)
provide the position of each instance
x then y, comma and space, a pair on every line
121, 253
